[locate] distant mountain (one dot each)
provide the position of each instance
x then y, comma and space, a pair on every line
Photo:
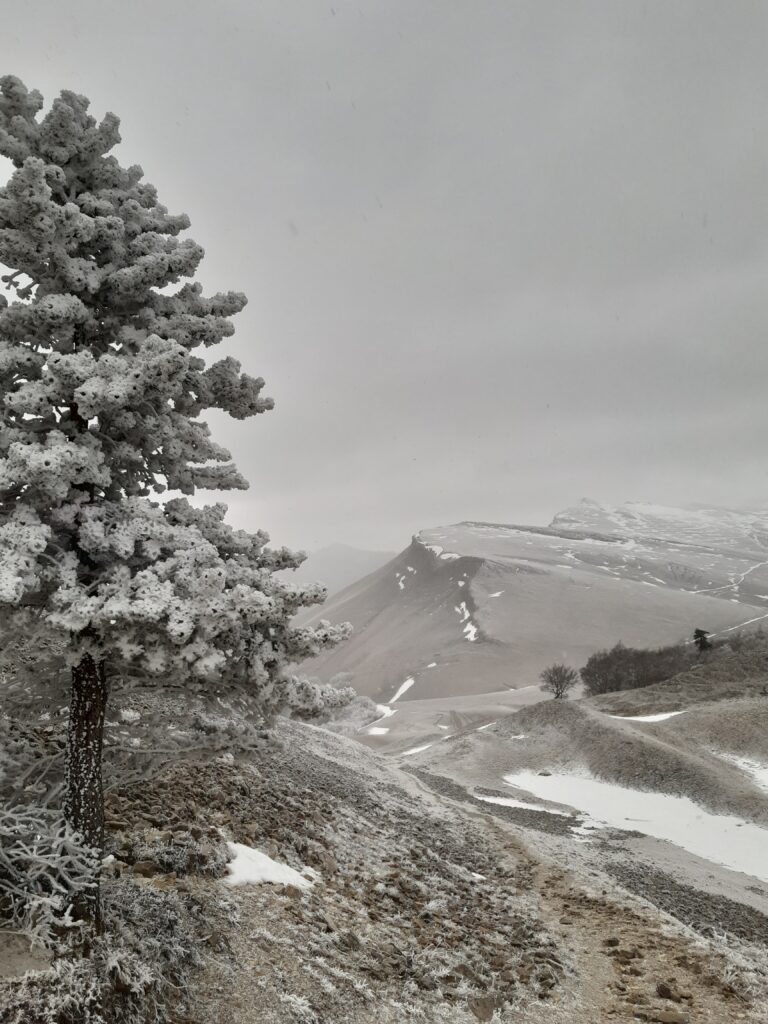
338, 565
479, 607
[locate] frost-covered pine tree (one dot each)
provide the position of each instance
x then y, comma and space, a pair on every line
103, 385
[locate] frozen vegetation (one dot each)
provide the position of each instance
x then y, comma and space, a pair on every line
171, 850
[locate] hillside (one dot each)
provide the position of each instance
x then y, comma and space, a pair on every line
477, 608
315, 881
680, 768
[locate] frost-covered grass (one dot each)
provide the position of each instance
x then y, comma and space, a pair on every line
756, 769
136, 973
181, 854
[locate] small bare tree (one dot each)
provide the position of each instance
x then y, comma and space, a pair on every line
558, 680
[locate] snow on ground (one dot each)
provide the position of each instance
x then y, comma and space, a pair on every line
129, 715
508, 801
385, 711
720, 838
759, 772
660, 717
415, 750
486, 726
432, 664
250, 866
378, 730
470, 629
403, 688
497, 594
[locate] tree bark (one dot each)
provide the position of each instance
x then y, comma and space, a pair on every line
84, 801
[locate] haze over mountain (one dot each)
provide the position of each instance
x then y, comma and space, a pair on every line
477, 608
338, 565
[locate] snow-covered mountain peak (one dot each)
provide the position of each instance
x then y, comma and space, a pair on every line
699, 525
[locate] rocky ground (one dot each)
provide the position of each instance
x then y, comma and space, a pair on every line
425, 904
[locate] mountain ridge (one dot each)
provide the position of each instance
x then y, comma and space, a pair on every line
480, 607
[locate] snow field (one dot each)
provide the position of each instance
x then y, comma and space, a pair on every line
720, 838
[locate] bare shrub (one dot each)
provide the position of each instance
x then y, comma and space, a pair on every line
558, 680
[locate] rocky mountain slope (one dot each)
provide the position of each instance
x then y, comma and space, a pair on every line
310, 879
477, 608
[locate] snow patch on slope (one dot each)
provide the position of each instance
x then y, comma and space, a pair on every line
403, 688
662, 716
252, 867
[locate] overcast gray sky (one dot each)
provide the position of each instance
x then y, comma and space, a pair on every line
500, 255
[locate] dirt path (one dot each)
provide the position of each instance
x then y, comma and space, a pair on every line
627, 961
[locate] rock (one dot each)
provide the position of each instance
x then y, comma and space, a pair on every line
544, 772
349, 940
165, 881
145, 868
483, 1007
328, 863
610, 942
668, 1017
665, 991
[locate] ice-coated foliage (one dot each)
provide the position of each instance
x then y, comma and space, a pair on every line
43, 866
102, 385
138, 971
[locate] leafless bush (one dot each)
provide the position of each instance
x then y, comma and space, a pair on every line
43, 869
558, 680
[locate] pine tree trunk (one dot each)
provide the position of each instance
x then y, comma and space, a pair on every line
84, 802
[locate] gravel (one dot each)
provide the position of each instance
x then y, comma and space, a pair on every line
705, 912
